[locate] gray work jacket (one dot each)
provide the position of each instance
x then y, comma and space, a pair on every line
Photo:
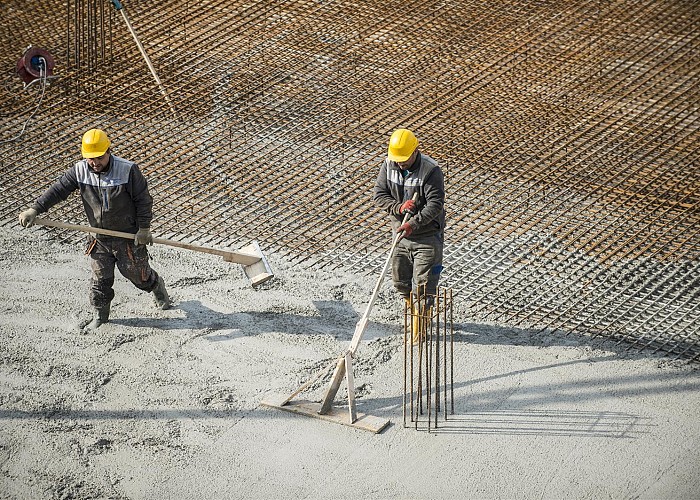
425, 177
117, 199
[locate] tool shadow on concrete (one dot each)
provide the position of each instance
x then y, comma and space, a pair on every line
335, 318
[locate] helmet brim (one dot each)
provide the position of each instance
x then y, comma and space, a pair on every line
398, 159
93, 154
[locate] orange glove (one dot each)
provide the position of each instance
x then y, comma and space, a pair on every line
408, 207
406, 229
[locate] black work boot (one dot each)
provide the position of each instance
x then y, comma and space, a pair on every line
100, 315
160, 295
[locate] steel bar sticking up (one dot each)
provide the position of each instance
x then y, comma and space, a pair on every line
428, 350
87, 45
568, 131
120, 8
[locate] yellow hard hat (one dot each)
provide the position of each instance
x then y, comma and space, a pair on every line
402, 145
95, 143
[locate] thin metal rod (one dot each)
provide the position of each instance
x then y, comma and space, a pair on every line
148, 62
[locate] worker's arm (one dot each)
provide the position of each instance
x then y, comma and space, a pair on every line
383, 196
58, 192
433, 197
143, 201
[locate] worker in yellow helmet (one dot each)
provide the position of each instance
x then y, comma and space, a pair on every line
115, 196
417, 261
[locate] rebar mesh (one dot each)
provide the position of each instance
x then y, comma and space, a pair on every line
567, 131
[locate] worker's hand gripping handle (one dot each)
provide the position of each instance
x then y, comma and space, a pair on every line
404, 228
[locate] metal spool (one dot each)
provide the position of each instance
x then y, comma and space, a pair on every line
29, 66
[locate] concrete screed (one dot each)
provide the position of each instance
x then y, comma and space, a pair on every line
166, 404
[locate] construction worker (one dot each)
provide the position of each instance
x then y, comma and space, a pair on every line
417, 261
115, 196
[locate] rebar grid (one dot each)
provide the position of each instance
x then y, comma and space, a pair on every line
567, 131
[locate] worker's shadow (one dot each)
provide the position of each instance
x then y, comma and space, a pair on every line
331, 317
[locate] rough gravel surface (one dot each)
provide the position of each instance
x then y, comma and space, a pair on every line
166, 404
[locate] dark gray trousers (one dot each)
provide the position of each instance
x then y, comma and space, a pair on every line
130, 259
417, 262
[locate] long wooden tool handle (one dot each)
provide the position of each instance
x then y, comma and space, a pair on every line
236, 256
118, 6
361, 326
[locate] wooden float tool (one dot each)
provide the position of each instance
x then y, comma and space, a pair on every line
343, 369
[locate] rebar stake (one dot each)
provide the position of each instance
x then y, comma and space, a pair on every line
428, 321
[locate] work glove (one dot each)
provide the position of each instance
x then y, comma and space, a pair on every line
406, 229
408, 207
27, 217
143, 236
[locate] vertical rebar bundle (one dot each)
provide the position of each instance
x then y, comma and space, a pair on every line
88, 44
428, 358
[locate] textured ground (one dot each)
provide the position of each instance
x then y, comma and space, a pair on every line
166, 404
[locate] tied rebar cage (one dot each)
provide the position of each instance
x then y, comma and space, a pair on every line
568, 133
428, 358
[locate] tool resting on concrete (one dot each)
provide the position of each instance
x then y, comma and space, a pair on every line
343, 369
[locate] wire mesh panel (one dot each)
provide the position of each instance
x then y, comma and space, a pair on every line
567, 131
